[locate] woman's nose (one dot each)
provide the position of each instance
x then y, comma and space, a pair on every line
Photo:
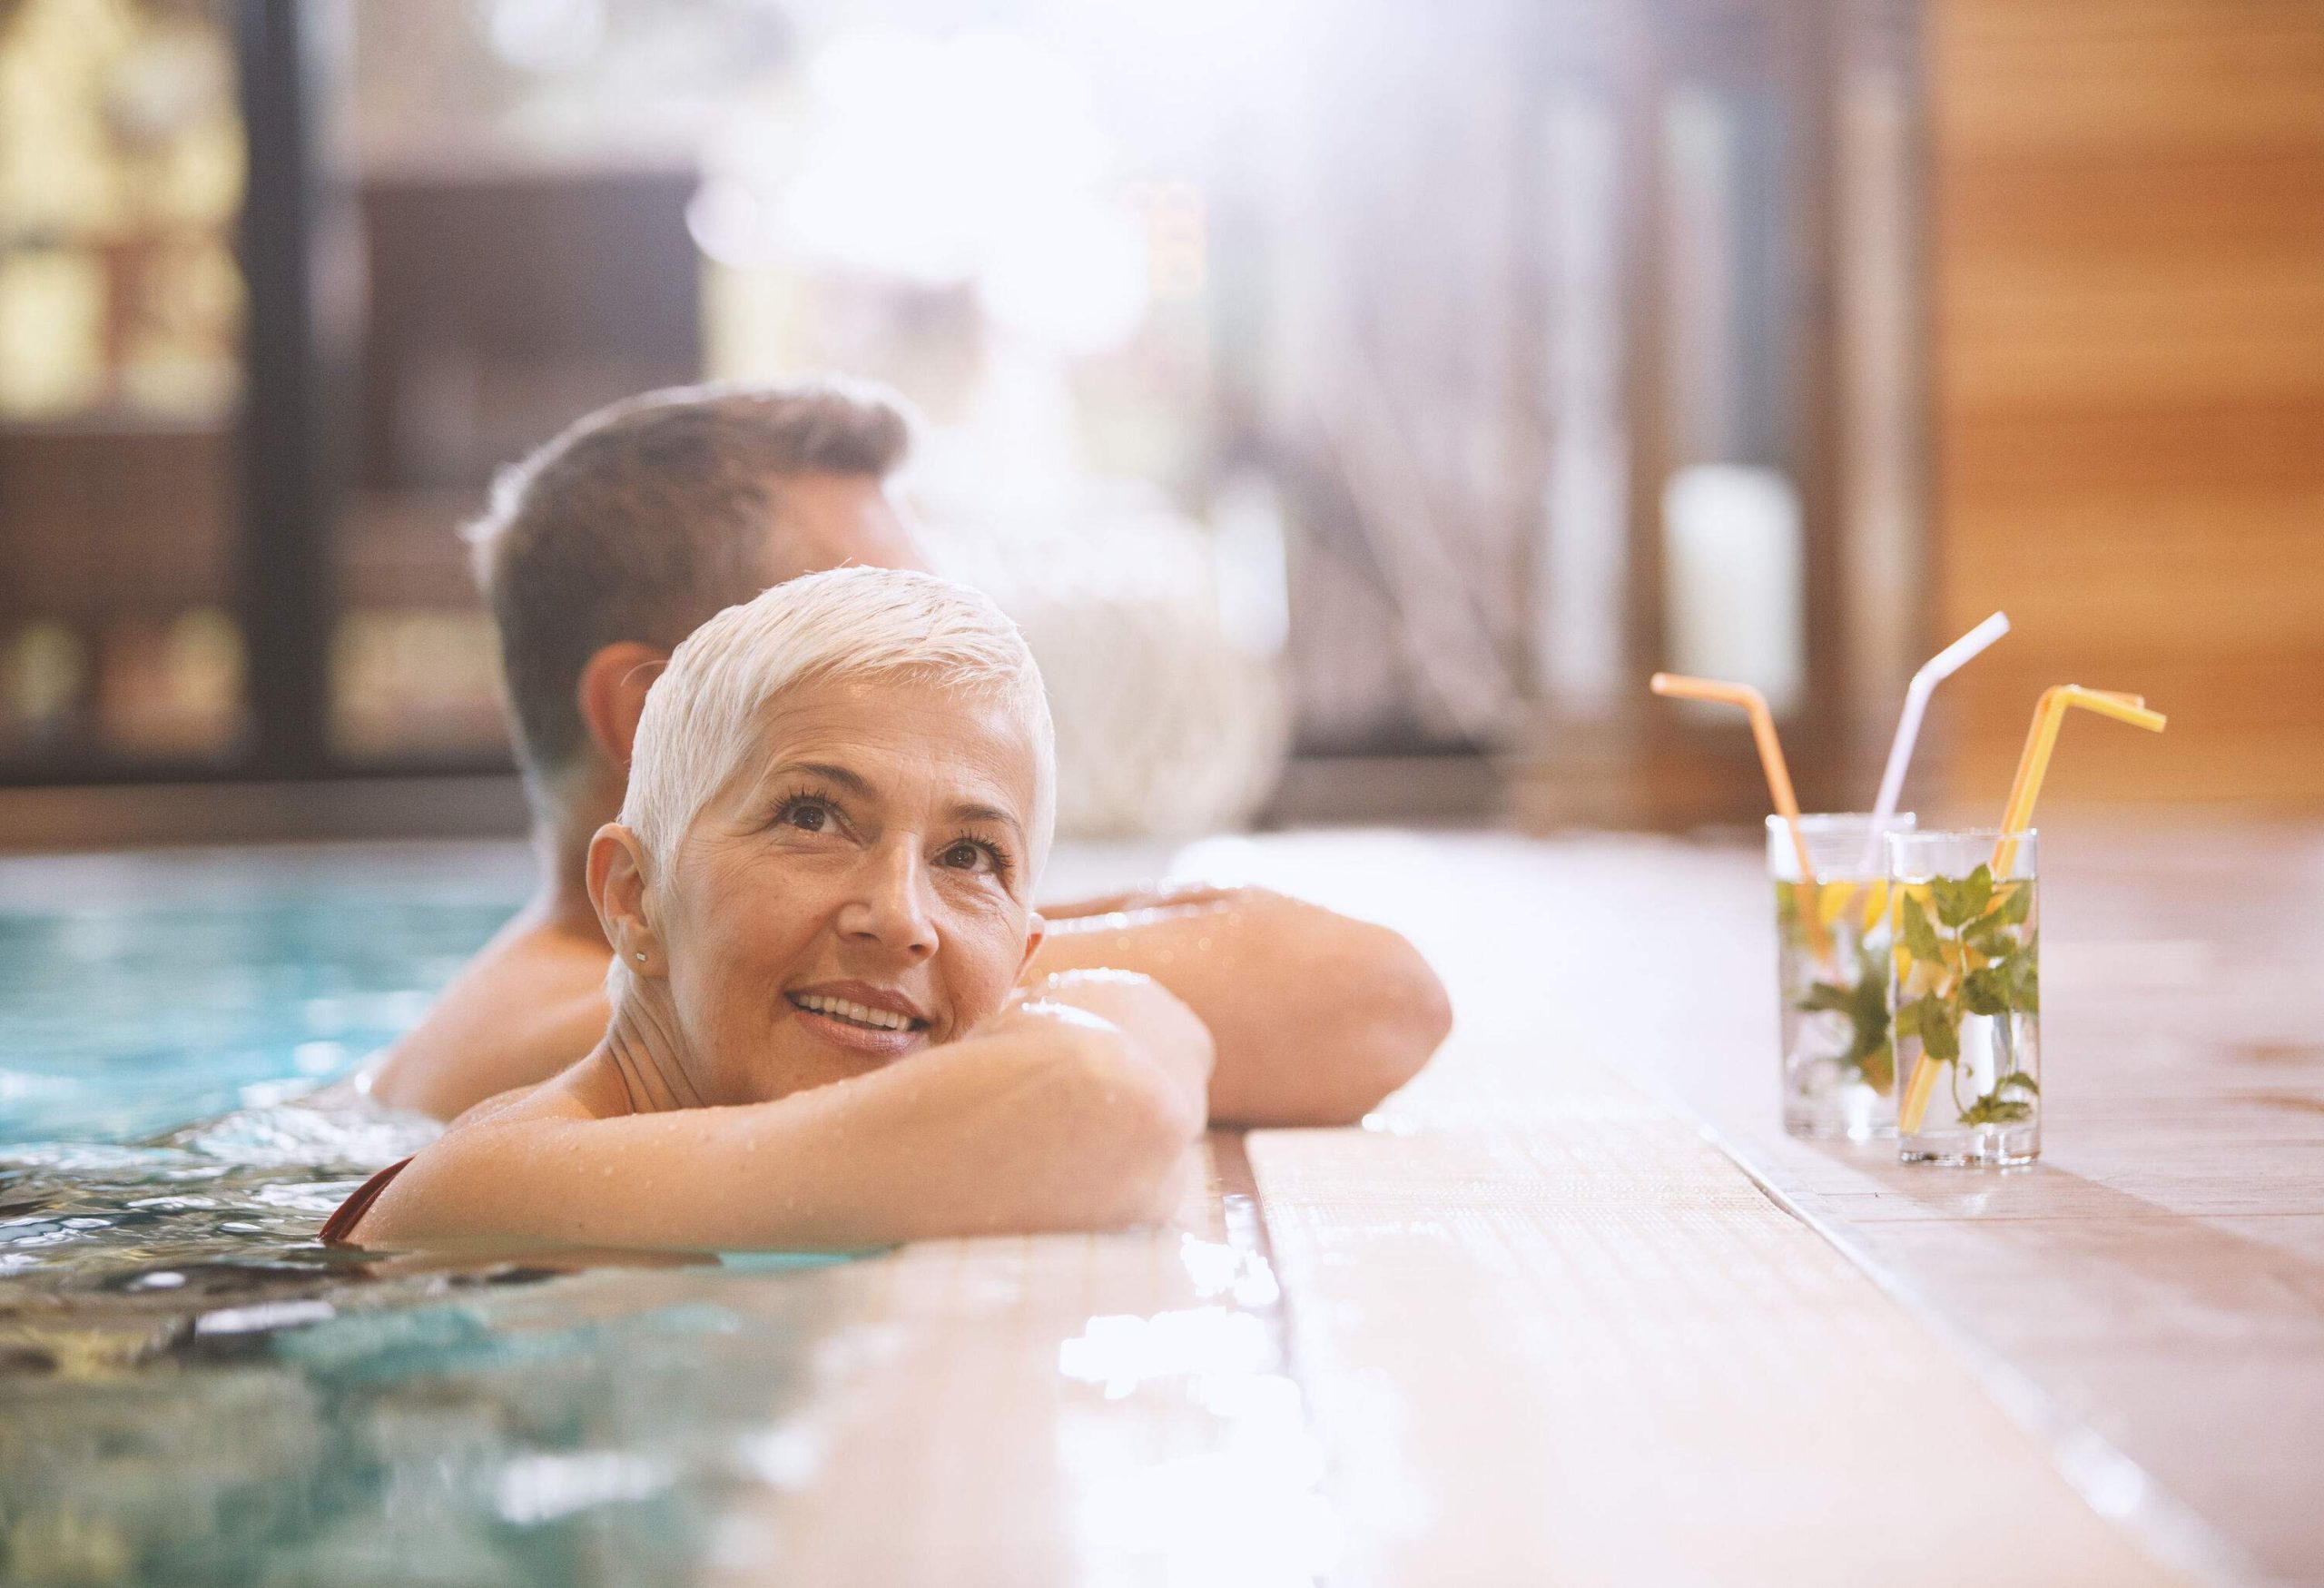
893, 907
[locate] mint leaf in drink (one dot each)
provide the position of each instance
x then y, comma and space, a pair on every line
1985, 993
1996, 1110
1824, 996
1946, 894
1993, 942
2025, 984
2020, 1079
1908, 1019
1961, 901
1976, 893
1920, 938
1940, 1029
1868, 1052
2016, 902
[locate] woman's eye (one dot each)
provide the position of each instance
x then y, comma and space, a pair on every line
807, 815
967, 856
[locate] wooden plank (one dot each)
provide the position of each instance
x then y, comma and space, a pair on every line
1575, 1345
1023, 1411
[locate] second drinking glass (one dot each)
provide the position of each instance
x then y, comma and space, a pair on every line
1964, 987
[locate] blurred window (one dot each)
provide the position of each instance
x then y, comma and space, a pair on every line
1733, 544
121, 309
1520, 320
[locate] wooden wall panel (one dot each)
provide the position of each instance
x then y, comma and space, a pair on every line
2129, 325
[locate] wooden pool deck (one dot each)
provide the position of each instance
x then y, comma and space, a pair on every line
1569, 1310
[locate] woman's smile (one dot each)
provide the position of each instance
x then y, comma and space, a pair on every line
875, 1021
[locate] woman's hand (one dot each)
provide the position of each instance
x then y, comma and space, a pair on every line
1158, 1025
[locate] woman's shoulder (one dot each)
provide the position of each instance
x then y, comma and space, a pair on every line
471, 1149
589, 1089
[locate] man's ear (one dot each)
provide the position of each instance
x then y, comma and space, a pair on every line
1036, 931
618, 888
612, 691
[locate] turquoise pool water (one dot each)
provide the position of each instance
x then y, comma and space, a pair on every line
191, 1391
118, 1021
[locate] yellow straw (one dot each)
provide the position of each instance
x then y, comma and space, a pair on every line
1763, 732
2034, 764
2017, 818
1915, 1102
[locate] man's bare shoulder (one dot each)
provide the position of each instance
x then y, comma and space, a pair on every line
528, 1006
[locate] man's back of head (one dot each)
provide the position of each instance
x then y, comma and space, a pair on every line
644, 519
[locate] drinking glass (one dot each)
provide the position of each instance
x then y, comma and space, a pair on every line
1832, 977
1964, 995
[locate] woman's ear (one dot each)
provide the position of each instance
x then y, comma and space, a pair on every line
1036, 931
612, 693
617, 868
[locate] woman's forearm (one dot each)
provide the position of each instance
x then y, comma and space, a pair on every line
1040, 1123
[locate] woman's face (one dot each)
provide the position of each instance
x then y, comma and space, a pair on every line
858, 893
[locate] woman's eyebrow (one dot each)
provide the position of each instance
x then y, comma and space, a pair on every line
854, 783
986, 814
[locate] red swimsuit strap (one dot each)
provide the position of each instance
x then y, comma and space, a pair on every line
342, 1224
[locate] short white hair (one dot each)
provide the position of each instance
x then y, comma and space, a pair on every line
703, 714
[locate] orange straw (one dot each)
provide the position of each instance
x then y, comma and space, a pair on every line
2017, 818
1763, 732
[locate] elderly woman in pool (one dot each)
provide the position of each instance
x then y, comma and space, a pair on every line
818, 894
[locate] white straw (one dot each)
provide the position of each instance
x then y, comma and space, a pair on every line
1933, 672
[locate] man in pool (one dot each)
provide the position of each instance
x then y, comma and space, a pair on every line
818, 898
610, 545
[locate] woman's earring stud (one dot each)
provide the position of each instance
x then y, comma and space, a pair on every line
641, 956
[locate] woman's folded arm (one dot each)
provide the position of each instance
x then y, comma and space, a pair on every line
1073, 1110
